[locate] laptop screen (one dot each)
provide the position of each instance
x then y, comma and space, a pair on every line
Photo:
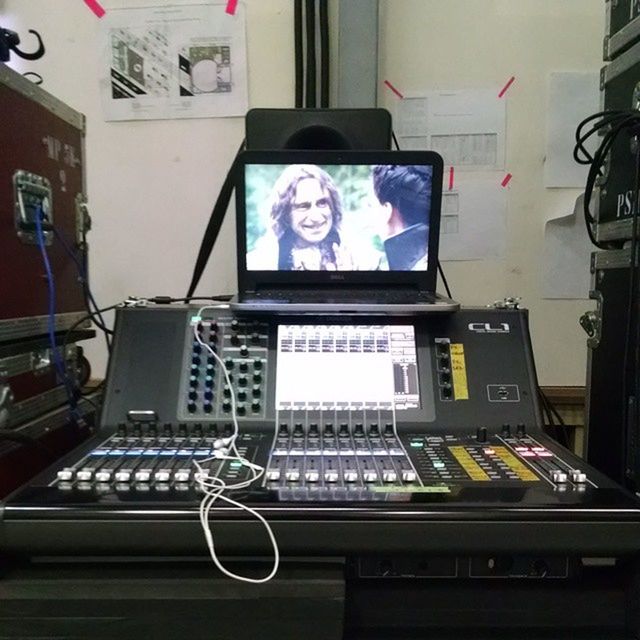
350, 217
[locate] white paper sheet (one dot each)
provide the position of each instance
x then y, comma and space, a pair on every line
572, 97
467, 127
181, 61
567, 254
473, 220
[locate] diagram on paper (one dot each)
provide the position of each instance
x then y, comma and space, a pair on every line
174, 62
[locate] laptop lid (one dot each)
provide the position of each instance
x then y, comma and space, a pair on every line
338, 219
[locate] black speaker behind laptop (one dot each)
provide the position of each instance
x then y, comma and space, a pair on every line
318, 129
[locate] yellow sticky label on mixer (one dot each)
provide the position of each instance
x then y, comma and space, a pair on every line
459, 372
473, 469
520, 469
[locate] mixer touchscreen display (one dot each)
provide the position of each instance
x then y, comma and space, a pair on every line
347, 367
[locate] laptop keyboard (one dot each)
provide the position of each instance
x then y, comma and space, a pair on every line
345, 296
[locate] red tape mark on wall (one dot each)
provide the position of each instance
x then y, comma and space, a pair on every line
450, 178
96, 7
506, 180
510, 81
232, 5
388, 84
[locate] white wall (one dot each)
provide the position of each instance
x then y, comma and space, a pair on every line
151, 185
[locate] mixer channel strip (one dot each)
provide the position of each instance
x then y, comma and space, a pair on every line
340, 455
124, 462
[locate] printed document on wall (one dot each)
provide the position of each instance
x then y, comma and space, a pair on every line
466, 127
181, 61
473, 220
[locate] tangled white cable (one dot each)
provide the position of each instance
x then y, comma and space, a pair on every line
214, 487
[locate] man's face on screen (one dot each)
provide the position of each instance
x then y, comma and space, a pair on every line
311, 216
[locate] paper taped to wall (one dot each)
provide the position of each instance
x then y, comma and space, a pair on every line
467, 127
182, 61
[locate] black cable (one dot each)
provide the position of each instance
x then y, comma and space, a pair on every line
310, 19
323, 18
395, 140
298, 53
215, 223
444, 280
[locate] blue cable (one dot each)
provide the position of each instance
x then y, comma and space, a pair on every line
85, 280
59, 364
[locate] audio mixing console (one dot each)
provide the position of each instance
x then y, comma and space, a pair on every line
412, 412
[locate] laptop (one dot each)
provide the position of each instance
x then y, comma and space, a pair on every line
339, 232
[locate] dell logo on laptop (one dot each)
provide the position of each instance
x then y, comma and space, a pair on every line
487, 327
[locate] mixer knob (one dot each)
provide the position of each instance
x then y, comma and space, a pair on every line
388, 429
373, 429
228, 363
447, 391
193, 395
208, 407
313, 429
226, 406
257, 364
344, 429
234, 325
257, 377
506, 430
255, 338
182, 429
244, 351
242, 395
193, 381
208, 382
191, 407
256, 392
211, 365
481, 434
182, 475
235, 340
167, 429
226, 391
244, 367
200, 327
578, 477
194, 369
255, 406
521, 430
328, 428
242, 381
283, 429
142, 476
197, 348
241, 409
359, 429
196, 360
297, 429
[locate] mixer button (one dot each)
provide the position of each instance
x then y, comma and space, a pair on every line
370, 476
103, 476
162, 476
312, 475
123, 476
293, 475
143, 476
84, 474
331, 476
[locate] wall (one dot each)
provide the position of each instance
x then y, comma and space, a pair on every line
151, 185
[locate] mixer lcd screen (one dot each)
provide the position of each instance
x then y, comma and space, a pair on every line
346, 367
306, 217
